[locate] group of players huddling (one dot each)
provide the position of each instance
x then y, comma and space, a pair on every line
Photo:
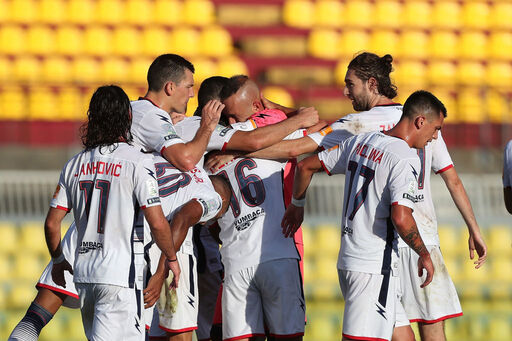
141, 258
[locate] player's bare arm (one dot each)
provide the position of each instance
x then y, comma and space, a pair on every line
185, 156
294, 214
52, 226
461, 200
406, 227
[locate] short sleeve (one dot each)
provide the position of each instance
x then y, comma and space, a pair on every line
441, 160
403, 183
145, 184
157, 132
61, 198
334, 160
507, 165
220, 137
297, 134
331, 136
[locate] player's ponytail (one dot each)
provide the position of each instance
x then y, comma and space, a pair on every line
368, 65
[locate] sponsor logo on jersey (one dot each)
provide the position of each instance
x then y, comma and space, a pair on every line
347, 230
211, 205
153, 200
171, 136
244, 222
414, 198
90, 246
152, 188
326, 131
223, 130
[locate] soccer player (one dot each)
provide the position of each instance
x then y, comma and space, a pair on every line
105, 186
381, 189
507, 176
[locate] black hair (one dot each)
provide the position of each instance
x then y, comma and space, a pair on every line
232, 85
210, 89
165, 68
108, 118
423, 102
367, 65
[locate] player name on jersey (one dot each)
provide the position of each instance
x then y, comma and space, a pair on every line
99, 167
374, 155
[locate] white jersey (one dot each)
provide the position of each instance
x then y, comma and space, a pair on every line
378, 118
507, 165
433, 157
105, 190
188, 127
152, 128
381, 171
251, 228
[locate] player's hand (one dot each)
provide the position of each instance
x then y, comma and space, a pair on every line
58, 272
175, 268
308, 116
177, 117
476, 243
424, 262
153, 289
292, 219
211, 113
217, 159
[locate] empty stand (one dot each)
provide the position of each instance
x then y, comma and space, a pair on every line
138, 12
109, 12
126, 41
12, 39
23, 11
328, 13
299, 13
12, 102
352, 13
416, 13
198, 12
69, 40
80, 11
388, 14
51, 11
214, 41
278, 95
475, 14
323, 43
413, 44
184, 41
446, 14
42, 103
97, 41
32, 239
353, 41
56, 70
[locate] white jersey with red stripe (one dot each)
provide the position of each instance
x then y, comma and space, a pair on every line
378, 118
380, 171
152, 128
105, 187
433, 157
507, 165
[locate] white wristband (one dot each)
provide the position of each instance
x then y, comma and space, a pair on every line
299, 202
59, 259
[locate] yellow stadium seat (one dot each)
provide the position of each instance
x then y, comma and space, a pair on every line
69, 99
323, 327
198, 12
81, 11
475, 14
413, 44
453, 267
126, 41
54, 330
9, 237
501, 266
13, 103
75, 327
215, 41
278, 95
56, 69
384, 42
12, 319
299, 13
441, 73
205, 68
27, 69
138, 12
40, 39
358, 13
155, 41
387, 14
471, 106
4, 11
12, 40
443, 44
410, 73
353, 41
5, 69
168, 12
184, 41
109, 12
231, 66
138, 70
31, 238
308, 237
500, 327
309, 270
470, 73
469, 273
500, 240
497, 108
446, 96
114, 70
326, 269
27, 266
85, 70
42, 104
22, 293
446, 14
23, 11
472, 45
328, 13
323, 43
69, 40
501, 15
51, 11
449, 237
6, 268
327, 240
499, 75
500, 45
97, 41
416, 14
132, 92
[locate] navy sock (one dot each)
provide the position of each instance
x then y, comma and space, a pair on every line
30, 326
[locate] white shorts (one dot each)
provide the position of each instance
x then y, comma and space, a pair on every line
46, 280
208, 284
269, 294
371, 304
436, 302
184, 319
111, 312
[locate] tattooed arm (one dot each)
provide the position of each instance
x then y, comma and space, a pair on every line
406, 227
